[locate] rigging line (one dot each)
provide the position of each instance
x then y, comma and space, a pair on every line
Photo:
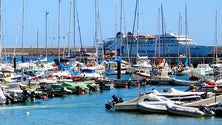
116, 25
59, 10
1, 42
121, 37
96, 28
2, 35
134, 21
215, 39
127, 40
95, 17
79, 32
17, 33
100, 30
74, 24
23, 10
70, 20
157, 40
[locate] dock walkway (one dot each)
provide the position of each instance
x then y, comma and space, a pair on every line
206, 102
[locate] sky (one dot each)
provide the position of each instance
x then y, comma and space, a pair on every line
201, 16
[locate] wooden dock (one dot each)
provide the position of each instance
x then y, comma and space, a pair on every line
206, 102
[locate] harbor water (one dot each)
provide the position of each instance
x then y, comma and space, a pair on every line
89, 109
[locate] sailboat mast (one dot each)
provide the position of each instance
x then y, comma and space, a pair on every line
23, 10
96, 28
100, 33
46, 35
37, 35
158, 36
180, 25
80, 37
70, 19
74, 24
59, 30
1, 31
137, 30
116, 28
179, 32
121, 16
134, 21
216, 37
163, 32
186, 33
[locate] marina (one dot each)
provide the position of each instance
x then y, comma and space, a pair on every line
58, 88
89, 109
75, 75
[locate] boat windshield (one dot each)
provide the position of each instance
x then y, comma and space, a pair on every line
150, 99
164, 99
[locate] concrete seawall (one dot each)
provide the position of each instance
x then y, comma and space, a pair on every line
53, 51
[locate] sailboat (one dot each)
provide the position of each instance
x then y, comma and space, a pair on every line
143, 65
185, 69
92, 69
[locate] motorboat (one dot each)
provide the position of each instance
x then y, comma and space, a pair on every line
188, 82
142, 103
130, 105
19, 96
162, 79
147, 108
217, 111
112, 67
182, 70
154, 104
175, 94
142, 63
105, 84
206, 68
216, 108
2, 97
189, 111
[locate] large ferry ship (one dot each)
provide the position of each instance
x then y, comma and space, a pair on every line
168, 44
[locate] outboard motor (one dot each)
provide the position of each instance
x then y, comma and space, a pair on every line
109, 105
206, 110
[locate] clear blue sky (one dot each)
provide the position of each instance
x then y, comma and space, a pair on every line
201, 20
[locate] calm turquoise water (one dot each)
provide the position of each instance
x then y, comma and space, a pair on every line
89, 110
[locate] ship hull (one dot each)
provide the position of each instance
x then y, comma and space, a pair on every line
171, 45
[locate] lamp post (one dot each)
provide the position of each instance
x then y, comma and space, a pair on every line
215, 90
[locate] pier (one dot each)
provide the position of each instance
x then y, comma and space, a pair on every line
207, 101
53, 51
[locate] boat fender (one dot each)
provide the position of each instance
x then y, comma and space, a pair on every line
44, 97
126, 86
98, 90
138, 84
54, 65
27, 113
211, 83
192, 87
181, 69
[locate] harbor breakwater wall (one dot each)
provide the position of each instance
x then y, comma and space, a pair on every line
53, 51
